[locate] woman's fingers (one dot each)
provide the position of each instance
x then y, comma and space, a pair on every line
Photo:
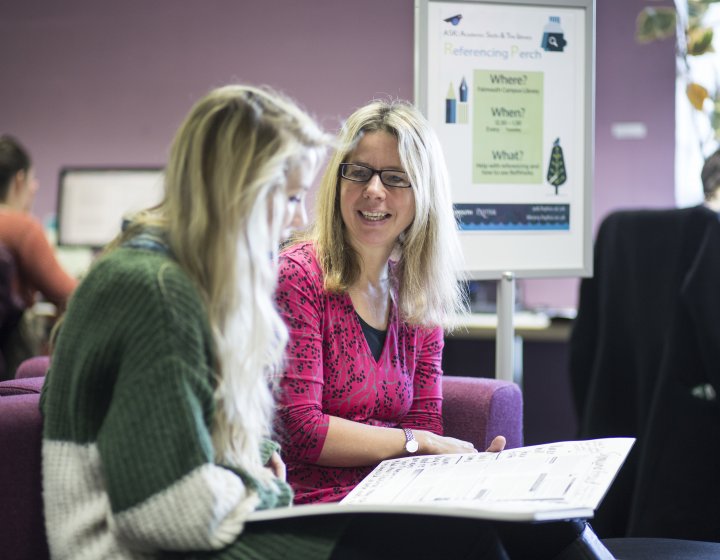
497, 444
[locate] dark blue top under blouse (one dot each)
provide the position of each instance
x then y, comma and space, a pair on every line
375, 337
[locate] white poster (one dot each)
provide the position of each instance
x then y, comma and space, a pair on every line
508, 88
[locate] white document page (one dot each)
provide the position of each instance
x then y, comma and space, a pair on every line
543, 482
552, 476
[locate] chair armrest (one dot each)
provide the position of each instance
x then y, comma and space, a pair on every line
22, 530
33, 367
29, 385
477, 409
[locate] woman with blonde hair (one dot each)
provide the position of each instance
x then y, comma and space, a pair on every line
365, 296
157, 407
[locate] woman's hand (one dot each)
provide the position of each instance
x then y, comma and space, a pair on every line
277, 466
433, 444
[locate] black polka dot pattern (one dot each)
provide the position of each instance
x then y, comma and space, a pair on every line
330, 371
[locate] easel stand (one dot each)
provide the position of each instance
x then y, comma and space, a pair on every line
505, 340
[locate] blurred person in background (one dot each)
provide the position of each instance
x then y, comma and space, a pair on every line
34, 268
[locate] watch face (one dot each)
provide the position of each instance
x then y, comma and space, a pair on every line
412, 446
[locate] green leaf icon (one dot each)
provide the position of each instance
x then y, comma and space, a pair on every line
556, 175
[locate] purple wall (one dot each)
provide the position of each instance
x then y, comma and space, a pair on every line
108, 82
87, 82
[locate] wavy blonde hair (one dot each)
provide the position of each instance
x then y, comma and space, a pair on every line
429, 258
223, 212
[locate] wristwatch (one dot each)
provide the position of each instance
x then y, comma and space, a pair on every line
411, 444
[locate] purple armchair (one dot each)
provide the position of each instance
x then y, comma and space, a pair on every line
477, 409
11, 306
22, 530
474, 409
33, 367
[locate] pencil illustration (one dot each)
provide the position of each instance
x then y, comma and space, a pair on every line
450, 106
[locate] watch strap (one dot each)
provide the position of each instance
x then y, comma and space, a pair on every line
411, 444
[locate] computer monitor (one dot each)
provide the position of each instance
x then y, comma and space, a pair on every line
92, 201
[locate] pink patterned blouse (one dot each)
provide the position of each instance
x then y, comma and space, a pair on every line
330, 371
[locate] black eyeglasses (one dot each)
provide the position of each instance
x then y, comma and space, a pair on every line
362, 174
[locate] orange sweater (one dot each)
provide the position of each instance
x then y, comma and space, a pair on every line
37, 267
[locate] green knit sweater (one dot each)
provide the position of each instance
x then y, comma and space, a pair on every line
128, 468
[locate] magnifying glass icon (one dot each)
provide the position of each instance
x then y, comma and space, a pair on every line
553, 42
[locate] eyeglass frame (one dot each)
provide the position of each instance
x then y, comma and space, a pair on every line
377, 172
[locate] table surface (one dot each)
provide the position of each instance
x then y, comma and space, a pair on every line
529, 325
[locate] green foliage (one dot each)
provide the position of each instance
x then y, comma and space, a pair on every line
694, 39
699, 41
655, 23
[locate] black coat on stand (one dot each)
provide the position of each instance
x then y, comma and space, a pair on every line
628, 315
678, 488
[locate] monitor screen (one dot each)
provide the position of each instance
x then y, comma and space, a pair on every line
92, 202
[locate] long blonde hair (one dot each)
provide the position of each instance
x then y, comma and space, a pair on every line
225, 200
429, 258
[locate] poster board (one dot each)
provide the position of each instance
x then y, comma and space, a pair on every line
509, 88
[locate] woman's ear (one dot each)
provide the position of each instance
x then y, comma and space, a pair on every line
16, 186
16, 197
18, 182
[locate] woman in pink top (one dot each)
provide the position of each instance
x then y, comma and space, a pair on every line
365, 296
36, 268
